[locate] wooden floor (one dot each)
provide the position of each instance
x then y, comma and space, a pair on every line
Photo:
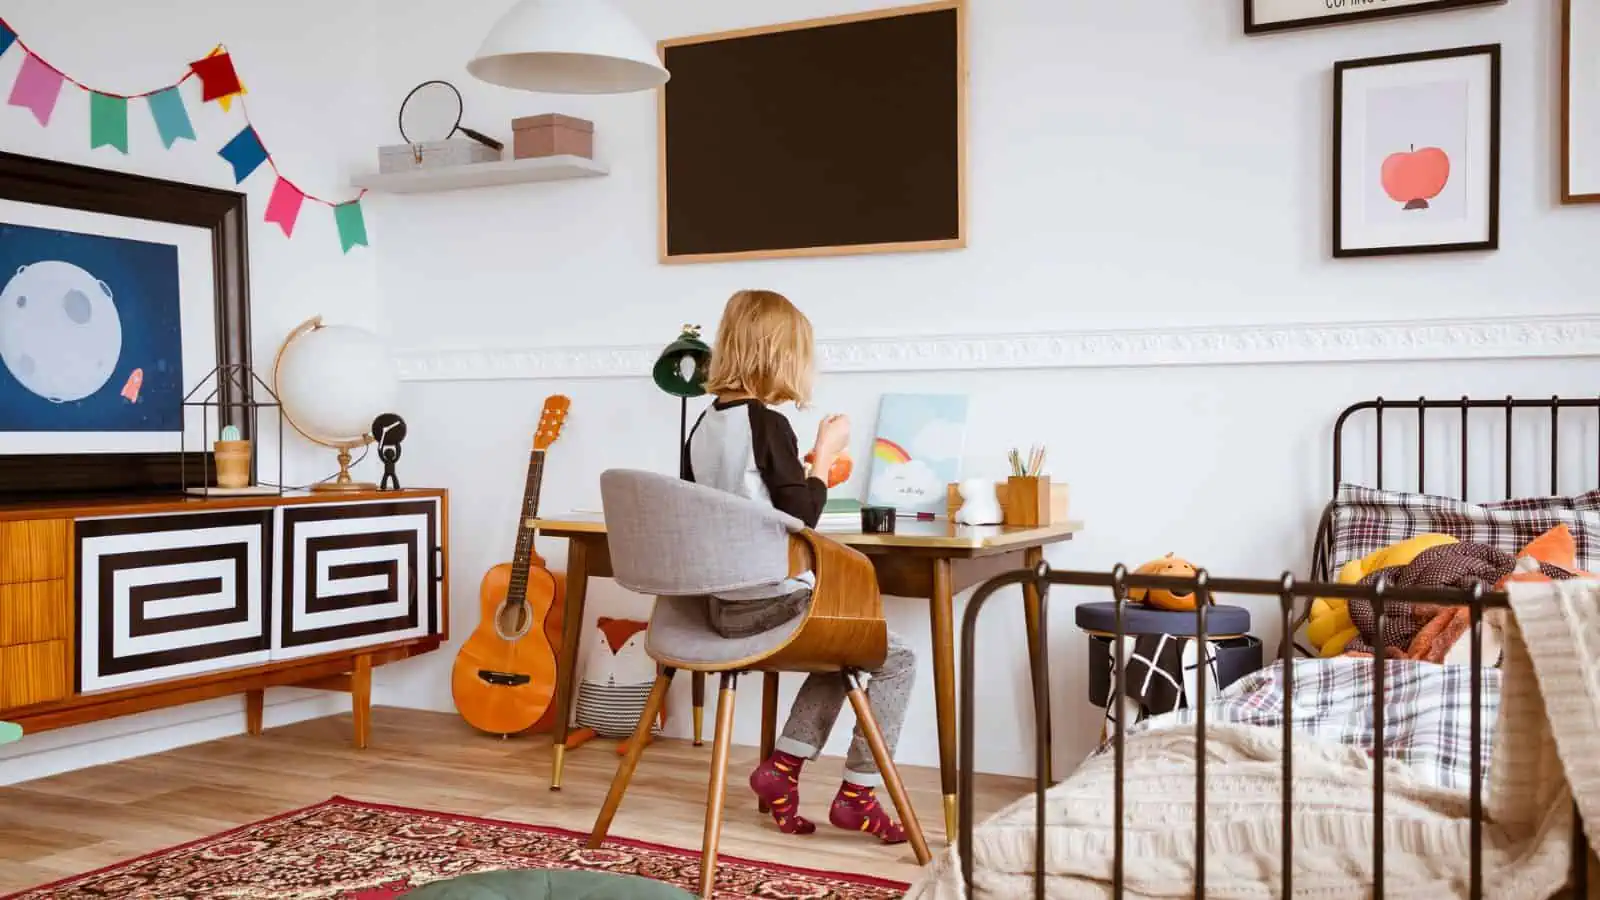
80, 821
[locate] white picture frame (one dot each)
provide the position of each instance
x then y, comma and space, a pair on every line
1416, 153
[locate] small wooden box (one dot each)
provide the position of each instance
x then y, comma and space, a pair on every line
1055, 508
552, 134
434, 155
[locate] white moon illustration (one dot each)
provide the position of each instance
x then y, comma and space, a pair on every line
60, 335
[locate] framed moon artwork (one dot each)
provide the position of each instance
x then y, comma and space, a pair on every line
1416, 153
117, 294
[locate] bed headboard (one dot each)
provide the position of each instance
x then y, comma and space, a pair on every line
1514, 412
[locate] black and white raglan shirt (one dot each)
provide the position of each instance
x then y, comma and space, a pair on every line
745, 448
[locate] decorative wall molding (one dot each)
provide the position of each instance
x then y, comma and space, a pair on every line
1441, 339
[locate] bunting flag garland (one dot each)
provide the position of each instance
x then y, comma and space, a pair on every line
245, 153
172, 120
108, 122
352, 227
284, 207
38, 88
217, 77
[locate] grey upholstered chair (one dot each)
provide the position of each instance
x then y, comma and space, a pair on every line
682, 541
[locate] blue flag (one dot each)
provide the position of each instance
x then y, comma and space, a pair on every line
244, 153
7, 38
172, 120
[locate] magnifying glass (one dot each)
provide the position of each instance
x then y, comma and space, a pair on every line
432, 112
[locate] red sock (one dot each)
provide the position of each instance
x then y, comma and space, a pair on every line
777, 784
856, 808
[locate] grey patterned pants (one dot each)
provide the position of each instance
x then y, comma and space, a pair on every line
822, 696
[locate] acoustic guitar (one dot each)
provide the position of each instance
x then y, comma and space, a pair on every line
505, 674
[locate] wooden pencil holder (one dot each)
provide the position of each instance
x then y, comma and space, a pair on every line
1027, 500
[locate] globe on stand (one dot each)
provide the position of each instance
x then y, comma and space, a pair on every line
332, 381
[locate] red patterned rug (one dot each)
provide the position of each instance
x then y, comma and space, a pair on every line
347, 850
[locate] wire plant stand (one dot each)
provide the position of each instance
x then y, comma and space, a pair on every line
229, 393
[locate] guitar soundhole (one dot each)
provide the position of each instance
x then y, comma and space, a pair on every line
513, 620
502, 679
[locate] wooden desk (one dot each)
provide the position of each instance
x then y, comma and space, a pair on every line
931, 561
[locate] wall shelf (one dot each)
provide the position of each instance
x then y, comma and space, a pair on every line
484, 174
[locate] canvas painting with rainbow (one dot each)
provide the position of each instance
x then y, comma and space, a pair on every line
917, 451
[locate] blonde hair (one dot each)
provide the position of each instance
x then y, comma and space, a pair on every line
763, 350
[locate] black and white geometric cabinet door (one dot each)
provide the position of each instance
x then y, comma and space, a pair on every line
168, 596
356, 574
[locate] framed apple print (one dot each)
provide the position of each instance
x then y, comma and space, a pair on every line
1416, 153
1580, 101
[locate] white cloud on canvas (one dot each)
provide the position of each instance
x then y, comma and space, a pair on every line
906, 484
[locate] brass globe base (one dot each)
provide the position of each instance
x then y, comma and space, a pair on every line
343, 483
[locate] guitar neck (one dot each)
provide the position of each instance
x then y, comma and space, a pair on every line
521, 560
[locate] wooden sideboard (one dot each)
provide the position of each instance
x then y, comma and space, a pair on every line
120, 606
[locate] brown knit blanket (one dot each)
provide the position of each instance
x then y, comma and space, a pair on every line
1428, 631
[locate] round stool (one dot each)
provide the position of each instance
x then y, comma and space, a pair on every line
547, 884
1238, 654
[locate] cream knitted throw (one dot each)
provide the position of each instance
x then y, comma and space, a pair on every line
1550, 700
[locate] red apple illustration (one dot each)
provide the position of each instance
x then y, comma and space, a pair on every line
1416, 176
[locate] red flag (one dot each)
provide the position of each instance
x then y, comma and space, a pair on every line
217, 77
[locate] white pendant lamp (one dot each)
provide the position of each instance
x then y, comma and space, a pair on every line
568, 47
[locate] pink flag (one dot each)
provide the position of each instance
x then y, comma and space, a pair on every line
284, 206
36, 88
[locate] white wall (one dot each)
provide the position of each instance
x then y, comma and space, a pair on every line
310, 69
1135, 167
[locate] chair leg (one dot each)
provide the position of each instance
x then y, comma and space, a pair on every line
769, 722
697, 700
718, 787
619, 784
891, 775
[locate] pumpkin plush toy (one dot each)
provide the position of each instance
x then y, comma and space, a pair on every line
1162, 598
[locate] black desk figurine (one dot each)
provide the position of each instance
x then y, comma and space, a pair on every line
389, 430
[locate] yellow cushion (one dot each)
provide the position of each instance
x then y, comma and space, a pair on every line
1329, 627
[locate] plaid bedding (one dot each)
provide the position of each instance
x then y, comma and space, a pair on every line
1367, 519
1427, 720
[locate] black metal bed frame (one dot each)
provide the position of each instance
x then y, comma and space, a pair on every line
1288, 590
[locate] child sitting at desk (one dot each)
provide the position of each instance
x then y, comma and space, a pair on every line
763, 357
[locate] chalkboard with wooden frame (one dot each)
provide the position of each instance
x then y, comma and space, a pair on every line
826, 137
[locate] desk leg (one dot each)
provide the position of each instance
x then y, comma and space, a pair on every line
567, 659
944, 684
1030, 606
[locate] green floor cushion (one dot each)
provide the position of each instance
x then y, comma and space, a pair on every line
555, 884
10, 732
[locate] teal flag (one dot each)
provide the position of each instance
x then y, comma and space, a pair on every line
172, 120
352, 227
108, 122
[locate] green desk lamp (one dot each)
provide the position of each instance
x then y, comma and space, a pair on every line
681, 370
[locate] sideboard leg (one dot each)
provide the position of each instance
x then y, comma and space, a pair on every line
255, 703
361, 700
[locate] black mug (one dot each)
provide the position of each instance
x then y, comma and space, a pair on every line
877, 519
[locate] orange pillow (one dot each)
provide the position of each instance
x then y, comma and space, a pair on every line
1553, 548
